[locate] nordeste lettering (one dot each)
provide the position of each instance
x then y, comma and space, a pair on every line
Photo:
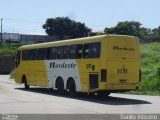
63, 65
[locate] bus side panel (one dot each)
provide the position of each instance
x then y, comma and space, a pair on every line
18, 77
41, 76
34, 71
87, 68
64, 69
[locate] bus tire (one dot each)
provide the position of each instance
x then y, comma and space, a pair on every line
26, 86
24, 80
60, 86
103, 93
72, 88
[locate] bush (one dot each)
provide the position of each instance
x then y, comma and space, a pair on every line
150, 65
12, 75
158, 72
8, 49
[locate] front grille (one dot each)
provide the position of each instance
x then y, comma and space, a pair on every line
93, 81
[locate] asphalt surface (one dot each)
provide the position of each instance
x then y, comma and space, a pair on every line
17, 100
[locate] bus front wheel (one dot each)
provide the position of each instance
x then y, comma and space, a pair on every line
24, 80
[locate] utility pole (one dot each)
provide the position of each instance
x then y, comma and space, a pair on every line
1, 28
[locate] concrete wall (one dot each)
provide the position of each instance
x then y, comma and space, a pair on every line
11, 37
27, 39
6, 64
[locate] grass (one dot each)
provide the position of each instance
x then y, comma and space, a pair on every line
8, 49
145, 92
150, 66
12, 75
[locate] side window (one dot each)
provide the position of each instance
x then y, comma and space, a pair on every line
75, 52
41, 54
86, 51
33, 54
29, 54
91, 50
60, 52
52, 53
65, 52
23, 55
18, 58
79, 51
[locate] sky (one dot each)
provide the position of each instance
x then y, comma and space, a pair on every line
28, 16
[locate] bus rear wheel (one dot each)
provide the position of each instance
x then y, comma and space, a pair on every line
60, 86
72, 88
103, 93
26, 86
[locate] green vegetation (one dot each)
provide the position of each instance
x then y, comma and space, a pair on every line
64, 27
8, 49
150, 66
145, 92
12, 75
134, 28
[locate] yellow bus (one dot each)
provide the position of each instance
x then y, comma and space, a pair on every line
101, 64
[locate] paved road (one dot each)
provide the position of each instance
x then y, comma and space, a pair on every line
15, 99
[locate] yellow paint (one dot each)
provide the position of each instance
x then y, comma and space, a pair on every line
120, 56
35, 72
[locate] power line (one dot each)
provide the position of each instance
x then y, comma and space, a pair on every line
38, 22
9, 28
18, 28
22, 30
20, 20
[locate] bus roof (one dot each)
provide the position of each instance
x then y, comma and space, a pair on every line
70, 41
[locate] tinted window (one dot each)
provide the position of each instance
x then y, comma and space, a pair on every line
42, 54
91, 50
33, 54
52, 53
62, 52
75, 51
65, 52
25, 55
29, 54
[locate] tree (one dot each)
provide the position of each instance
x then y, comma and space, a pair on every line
126, 28
156, 32
63, 27
145, 33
